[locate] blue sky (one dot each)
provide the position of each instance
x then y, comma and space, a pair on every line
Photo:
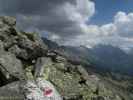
107, 9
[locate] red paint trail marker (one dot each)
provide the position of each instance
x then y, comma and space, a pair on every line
47, 91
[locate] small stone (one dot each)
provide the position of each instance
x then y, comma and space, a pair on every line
40, 66
60, 59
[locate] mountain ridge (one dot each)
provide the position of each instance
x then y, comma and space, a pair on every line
30, 70
104, 57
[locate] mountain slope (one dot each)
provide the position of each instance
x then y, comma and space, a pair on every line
99, 62
29, 70
113, 59
103, 57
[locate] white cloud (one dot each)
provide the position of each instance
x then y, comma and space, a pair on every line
65, 20
117, 33
60, 17
124, 24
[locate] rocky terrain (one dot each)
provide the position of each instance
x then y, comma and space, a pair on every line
103, 57
29, 70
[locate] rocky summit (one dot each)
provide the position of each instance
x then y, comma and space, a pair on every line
30, 71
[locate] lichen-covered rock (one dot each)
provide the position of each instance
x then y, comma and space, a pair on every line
48, 89
76, 84
38, 88
31, 91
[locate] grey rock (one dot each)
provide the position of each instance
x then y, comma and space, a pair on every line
34, 48
7, 26
44, 86
51, 54
11, 21
29, 45
60, 59
10, 65
19, 52
37, 90
40, 66
1, 46
9, 42
82, 71
11, 92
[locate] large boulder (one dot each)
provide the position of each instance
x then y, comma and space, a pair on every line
39, 90
11, 66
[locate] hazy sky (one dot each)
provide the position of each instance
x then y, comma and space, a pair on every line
75, 22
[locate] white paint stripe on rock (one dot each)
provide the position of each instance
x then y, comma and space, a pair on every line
48, 89
40, 90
